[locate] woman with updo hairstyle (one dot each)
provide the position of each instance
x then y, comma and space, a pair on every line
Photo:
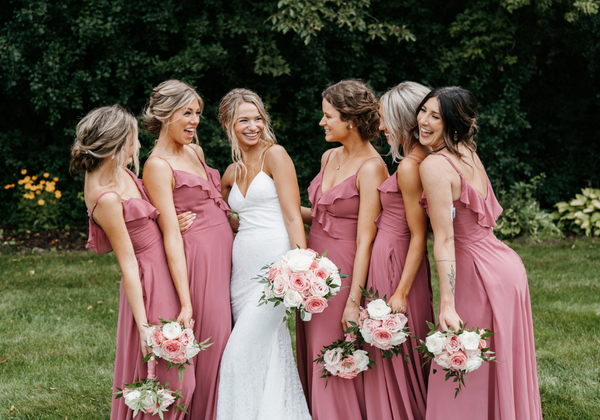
122, 218
399, 263
345, 204
179, 181
258, 372
483, 282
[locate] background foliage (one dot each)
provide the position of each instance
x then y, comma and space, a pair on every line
531, 63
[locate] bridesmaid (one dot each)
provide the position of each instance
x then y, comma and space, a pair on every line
121, 218
345, 203
399, 264
482, 281
177, 179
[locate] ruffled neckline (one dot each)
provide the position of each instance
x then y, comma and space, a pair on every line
212, 185
388, 186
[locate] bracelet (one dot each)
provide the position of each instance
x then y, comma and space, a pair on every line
350, 296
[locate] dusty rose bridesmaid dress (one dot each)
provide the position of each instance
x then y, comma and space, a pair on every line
394, 389
335, 217
160, 300
207, 246
491, 292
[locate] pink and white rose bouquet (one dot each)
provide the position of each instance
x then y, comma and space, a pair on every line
302, 280
343, 359
149, 396
175, 344
457, 352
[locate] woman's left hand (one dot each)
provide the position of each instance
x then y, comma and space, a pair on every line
185, 317
351, 313
398, 303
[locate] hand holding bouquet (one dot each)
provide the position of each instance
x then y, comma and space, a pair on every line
302, 280
173, 343
149, 396
457, 352
379, 327
343, 359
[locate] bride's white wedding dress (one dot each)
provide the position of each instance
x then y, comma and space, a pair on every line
259, 379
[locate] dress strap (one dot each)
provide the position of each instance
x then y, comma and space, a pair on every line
98, 199
328, 156
164, 160
450, 162
410, 157
264, 158
366, 160
196, 152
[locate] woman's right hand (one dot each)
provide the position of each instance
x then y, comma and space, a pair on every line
449, 318
185, 317
143, 337
185, 220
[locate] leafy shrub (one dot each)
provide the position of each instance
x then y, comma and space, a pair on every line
581, 215
37, 203
522, 215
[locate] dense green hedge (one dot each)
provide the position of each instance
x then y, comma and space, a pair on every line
532, 66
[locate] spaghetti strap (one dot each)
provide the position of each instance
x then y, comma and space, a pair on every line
328, 156
98, 199
410, 157
366, 160
450, 162
264, 157
164, 160
196, 152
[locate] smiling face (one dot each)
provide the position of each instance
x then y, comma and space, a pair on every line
183, 123
336, 129
248, 126
382, 126
431, 126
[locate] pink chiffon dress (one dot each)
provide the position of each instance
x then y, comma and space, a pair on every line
491, 292
207, 244
334, 226
160, 300
394, 389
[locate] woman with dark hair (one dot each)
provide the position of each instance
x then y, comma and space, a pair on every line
482, 281
122, 218
399, 264
345, 204
178, 180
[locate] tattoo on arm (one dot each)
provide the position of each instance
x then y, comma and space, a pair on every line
452, 279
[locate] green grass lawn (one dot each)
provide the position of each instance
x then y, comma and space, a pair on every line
58, 315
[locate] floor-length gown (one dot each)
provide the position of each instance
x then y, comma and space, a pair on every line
259, 379
207, 244
395, 389
334, 229
160, 300
491, 292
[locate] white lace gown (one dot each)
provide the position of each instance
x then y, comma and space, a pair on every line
259, 379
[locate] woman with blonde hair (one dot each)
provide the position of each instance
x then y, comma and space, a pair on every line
345, 204
399, 264
178, 180
258, 373
122, 218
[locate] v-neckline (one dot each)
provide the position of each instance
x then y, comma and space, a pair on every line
332, 187
475, 189
249, 186
191, 173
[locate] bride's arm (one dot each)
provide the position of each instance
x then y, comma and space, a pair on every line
280, 167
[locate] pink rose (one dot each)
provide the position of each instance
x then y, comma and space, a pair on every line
453, 344
280, 285
318, 287
472, 353
364, 315
393, 322
458, 360
482, 344
306, 294
382, 338
321, 272
171, 348
180, 358
315, 304
186, 337
156, 337
313, 251
168, 398
314, 265
443, 359
347, 367
273, 272
371, 324
126, 391
299, 282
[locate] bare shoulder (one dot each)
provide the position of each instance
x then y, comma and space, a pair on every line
276, 153
155, 164
107, 202
373, 167
326, 155
229, 175
435, 168
198, 150
408, 167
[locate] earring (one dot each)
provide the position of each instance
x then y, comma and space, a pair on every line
112, 157
350, 126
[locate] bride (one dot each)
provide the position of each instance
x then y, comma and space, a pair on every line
259, 379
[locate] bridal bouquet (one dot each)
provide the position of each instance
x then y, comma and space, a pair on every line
379, 327
149, 396
343, 359
302, 280
457, 352
173, 343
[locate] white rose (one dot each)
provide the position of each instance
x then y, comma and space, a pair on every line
399, 338
149, 337
191, 351
333, 356
333, 369
378, 309
131, 399
292, 299
280, 285
318, 287
269, 291
473, 363
326, 263
172, 330
299, 260
149, 401
435, 343
442, 361
469, 340
362, 359
157, 351
336, 282
367, 335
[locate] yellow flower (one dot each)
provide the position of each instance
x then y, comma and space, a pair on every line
38, 192
41, 202
27, 186
20, 182
23, 171
42, 182
27, 179
50, 187
46, 174
7, 186
34, 177
58, 194
55, 179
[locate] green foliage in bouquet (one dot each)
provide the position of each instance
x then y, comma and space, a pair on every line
522, 215
580, 215
149, 396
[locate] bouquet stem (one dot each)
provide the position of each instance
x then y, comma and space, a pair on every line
152, 367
